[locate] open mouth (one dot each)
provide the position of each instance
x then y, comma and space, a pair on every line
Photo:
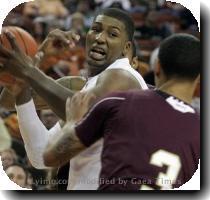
97, 53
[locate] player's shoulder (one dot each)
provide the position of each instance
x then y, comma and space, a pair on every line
114, 97
133, 93
112, 101
116, 74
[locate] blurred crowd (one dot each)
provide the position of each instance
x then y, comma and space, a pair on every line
154, 21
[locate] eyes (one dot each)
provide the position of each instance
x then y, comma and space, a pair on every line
111, 33
12, 176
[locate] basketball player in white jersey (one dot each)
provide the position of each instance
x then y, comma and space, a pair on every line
107, 44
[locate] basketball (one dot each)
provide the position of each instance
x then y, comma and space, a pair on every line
25, 42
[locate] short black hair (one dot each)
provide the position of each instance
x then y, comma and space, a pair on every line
122, 16
179, 56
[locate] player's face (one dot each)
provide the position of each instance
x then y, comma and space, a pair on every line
106, 41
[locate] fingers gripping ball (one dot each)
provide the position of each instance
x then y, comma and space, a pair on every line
24, 40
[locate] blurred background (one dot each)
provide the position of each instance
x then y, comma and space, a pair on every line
154, 21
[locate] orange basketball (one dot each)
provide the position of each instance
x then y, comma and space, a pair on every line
24, 40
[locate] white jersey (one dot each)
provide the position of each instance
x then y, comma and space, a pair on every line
86, 166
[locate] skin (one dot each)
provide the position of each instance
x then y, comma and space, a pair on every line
106, 34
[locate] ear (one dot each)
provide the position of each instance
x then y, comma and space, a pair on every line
126, 48
197, 87
157, 68
198, 79
135, 63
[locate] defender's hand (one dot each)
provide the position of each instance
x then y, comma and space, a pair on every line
58, 41
78, 105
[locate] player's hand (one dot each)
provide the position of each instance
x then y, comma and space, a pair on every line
78, 105
14, 61
58, 41
20, 85
38, 59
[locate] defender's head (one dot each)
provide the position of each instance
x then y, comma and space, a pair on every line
179, 58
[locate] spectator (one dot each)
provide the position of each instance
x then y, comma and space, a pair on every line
78, 25
123, 4
149, 76
5, 138
8, 157
48, 118
52, 7
18, 174
85, 8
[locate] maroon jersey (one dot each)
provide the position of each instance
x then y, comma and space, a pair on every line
151, 140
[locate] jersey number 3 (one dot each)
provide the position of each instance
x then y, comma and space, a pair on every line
173, 163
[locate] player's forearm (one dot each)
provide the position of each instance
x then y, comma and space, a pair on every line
63, 147
53, 93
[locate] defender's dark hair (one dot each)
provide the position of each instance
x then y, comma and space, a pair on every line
122, 16
179, 56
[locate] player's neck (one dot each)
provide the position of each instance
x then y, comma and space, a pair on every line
181, 89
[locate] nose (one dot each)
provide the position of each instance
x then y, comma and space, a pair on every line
101, 37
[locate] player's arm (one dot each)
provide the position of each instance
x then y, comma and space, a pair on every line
63, 147
80, 131
34, 133
53, 93
7, 99
114, 80
66, 144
